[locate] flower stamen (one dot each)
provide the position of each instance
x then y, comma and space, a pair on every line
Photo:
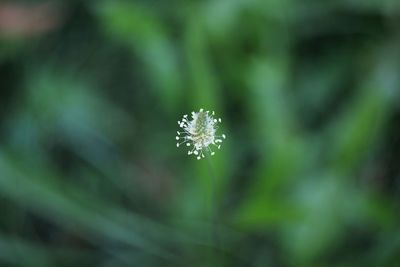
200, 132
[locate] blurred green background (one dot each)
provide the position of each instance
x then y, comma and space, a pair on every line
308, 92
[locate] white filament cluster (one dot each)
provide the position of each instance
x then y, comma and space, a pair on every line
199, 133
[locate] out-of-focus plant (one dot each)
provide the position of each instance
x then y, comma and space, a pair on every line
89, 95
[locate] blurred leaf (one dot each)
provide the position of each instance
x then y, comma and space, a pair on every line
326, 205
72, 208
358, 128
142, 30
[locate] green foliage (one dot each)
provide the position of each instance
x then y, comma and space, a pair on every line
308, 94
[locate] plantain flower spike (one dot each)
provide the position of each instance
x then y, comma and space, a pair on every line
199, 133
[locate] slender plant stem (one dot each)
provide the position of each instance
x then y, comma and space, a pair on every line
213, 204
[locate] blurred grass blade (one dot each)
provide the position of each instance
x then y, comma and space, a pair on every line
72, 208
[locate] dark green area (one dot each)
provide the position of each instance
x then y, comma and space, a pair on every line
308, 92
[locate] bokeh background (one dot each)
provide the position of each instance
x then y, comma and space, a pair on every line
308, 92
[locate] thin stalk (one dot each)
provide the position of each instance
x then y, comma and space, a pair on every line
213, 205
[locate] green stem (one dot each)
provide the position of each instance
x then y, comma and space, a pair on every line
213, 205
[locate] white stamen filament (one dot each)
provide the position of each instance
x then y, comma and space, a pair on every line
200, 132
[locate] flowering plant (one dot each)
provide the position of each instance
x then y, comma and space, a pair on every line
199, 133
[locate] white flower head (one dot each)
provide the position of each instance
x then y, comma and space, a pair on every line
199, 133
